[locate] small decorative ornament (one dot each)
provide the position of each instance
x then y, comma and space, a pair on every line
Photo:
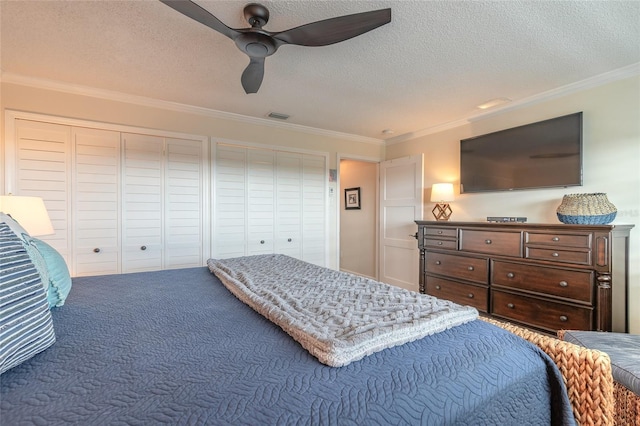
586, 209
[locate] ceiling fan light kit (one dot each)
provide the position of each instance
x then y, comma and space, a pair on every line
258, 43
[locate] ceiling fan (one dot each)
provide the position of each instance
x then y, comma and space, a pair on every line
258, 43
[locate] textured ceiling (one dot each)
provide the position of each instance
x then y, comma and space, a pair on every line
433, 64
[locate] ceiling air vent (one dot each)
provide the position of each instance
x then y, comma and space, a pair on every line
278, 115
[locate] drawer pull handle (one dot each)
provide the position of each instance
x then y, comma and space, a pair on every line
289, 240
555, 254
563, 283
438, 287
440, 232
555, 239
510, 275
439, 243
470, 268
564, 318
261, 241
96, 250
470, 295
510, 305
487, 241
438, 262
143, 248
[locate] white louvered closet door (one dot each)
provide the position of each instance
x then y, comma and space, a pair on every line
142, 205
230, 202
289, 204
260, 201
269, 201
42, 169
314, 208
184, 209
96, 201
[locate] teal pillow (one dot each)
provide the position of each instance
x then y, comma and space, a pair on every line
57, 271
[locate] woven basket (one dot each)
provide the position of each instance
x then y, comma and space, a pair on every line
586, 373
586, 209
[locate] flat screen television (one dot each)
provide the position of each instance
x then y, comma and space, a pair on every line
545, 154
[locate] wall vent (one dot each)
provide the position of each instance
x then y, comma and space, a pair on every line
278, 115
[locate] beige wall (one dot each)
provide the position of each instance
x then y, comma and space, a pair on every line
611, 164
358, 227
83, 107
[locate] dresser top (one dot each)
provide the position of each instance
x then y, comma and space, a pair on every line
527, 225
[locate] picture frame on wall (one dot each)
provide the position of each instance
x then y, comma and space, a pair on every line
352, 198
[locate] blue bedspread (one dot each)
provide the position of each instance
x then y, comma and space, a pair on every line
176, 347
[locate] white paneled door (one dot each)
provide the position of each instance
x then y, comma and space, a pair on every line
401, 203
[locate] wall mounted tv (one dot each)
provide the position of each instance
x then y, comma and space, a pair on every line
545, 154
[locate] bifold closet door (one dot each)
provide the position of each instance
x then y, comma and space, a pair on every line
96, 201
260, 201
142, 203
269, 201
184, 206
230, 202
289, 204
42, 161
314, 209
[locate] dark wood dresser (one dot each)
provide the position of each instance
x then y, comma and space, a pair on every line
544, 276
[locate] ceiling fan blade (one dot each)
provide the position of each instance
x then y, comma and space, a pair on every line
195, 12
252, 75
335, 30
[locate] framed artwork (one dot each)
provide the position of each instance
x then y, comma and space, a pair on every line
352, 198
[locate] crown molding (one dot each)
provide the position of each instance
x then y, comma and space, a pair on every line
599, 80
74, 89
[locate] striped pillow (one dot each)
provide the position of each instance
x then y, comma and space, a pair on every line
26, 327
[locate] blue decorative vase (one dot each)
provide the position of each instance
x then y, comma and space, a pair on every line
586, 209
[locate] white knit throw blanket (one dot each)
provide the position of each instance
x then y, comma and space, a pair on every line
338, 317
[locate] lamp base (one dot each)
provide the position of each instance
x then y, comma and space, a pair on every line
442, 211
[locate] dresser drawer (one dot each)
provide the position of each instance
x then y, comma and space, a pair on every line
444, 244
463, 294
540, 313
441, 232
558, 282
492, 242
558, 240
557, 255
456, 266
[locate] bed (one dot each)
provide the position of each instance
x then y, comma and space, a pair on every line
177, 347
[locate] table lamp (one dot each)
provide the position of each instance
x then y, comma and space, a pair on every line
441, 194
29, 212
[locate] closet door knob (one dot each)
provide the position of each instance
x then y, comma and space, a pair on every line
96, 250
143, 248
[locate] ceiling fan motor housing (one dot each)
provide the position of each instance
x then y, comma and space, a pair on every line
256, 44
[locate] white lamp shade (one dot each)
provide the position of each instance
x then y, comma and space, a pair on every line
29, 212
441, 192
